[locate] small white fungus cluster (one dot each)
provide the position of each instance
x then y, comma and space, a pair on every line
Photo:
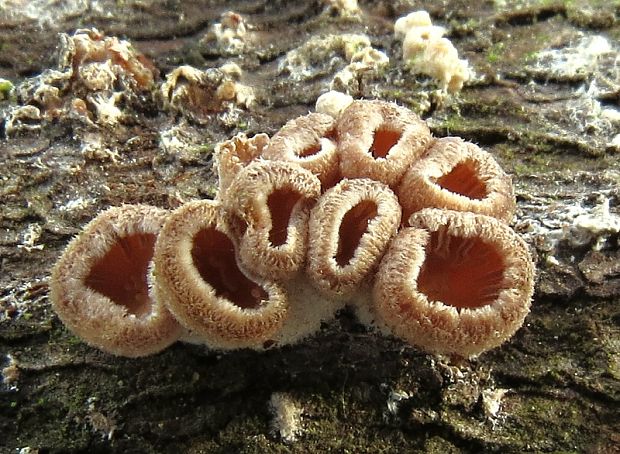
426, 51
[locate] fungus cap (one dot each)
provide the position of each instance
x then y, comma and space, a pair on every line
457, 175
350, 228
269, 204
308, 141
198, 275
412, 20
234, 154
454, 283
333, 103
379, 140
100, 285
419, 38
440, 60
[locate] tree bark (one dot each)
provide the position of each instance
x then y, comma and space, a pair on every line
551, 125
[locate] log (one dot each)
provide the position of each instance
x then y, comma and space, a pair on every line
544, 101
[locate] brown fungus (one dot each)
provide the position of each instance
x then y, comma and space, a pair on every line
271, 200
350, 228
309, 141
198, 275
457, 175
380, 140
454, 283
100, 285
234, 154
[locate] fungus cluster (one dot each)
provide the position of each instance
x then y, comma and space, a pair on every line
426, 51
365, 208
95, 77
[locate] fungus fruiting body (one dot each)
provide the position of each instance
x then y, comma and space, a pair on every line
427, 52
360, 207
379, 140
310, 142
198, 275
234, 154
271, 202
457, 175
454, 282
100, 289
350, 228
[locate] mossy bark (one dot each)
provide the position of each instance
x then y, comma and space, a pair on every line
557, 380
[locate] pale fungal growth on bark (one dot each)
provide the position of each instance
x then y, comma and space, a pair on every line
345, 8
380, 140
200, 94
93, 75
322, 53
89, 46
454, 283
457, 175
198, 276
333, 103
9, 375
270, 202
415, 19
234, 154
310, 142
100, 286
427, 52
350, 227
229, 34
363, 61
286, 416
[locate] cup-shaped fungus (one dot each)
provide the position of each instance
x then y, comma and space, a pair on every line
454, 283
269, 203
309, 141
380, 140
234, 154
457, 175
350, 228
100, 285
198, 275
